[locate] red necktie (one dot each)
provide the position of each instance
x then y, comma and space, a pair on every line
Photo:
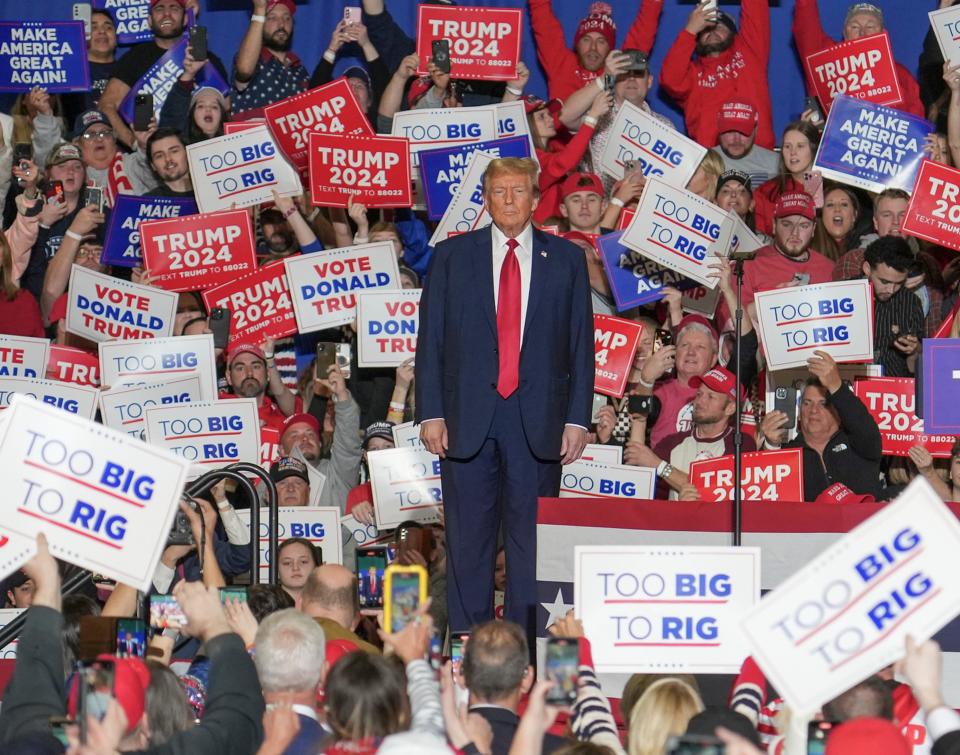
508, 322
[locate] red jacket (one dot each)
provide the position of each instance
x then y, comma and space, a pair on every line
701, 86
810, 38
564, 74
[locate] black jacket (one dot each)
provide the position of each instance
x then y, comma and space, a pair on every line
852, 456
504, 724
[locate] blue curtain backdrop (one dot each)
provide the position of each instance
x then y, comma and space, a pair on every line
315, 19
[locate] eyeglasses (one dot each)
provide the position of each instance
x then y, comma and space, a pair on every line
84, 253
98, 135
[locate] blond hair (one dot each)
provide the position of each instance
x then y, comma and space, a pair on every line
664, 710
503, 166
713, 166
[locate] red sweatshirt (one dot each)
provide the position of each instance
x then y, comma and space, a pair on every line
555, 164
810, 38
701, 86
564, 74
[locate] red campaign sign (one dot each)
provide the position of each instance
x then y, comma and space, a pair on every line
861, 68
269, 446
891, 402
71, 365
196, 252
375, 170
259, 303
934, 210
626, 217
484, 42
615, 344
765, 476
331, 109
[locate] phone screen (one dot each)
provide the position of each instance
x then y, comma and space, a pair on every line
96, 689
817, 734
166, 612
131, 638
371, 565
404, 599
563, 656
457, 644
233, 593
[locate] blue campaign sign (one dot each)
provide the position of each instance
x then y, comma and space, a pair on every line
132, 18
443, 169
162, 75
47, 54
121, 247
635, 279
872, 146
941, 385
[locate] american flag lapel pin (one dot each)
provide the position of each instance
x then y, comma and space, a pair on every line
543, 254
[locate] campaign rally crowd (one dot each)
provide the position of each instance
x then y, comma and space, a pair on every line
276, 261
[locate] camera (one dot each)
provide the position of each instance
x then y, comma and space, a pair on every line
181, 533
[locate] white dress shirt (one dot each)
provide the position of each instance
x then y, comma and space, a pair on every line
524, 254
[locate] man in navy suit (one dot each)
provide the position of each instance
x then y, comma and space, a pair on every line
504, 377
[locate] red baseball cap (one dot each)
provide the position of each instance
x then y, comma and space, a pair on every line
181, 3
696, 320
840, 493
720, 380
738, 116
532, 103
288, 4
294, 419
867, 736
244, 348
795, 203
582, 182
131, 677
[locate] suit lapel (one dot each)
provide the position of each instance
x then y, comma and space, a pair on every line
483, 275
539, 271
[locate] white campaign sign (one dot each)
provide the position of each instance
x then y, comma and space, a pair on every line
147, 362
660, 150
125, 408
592, 479
103, 308
946, 26
76, 399
845, 615
679, 230
241, 169
363, 535
466, 211
444, 127
388, 324
317, 478
702, 300
324, 285
665, 609
9, 653
407, 435
23, 357
512, 121
602, 454
104, 500
406, 486
212, 433
318, 524
833, 317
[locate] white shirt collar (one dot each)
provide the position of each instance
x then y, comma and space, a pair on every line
524, 239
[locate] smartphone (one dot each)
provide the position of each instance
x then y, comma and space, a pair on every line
352, 15
53, 191
694, 744
142, 111
639, 405
638, 61
813, 185
599, 401
371, 566
563, 657
198, 42
709, 5
801, 279
817, 734
631, 166
326, 357
165, 612
98, 636
83, 12
812, 103
96, 692
785, 400
404, 591
58, 727
662, 338
440, 54
344, 354
22, 151
419, 539
458, 641
94, 196
609, 82
233, 593
219, 323
131, 638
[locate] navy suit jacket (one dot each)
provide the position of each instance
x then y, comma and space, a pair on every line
457, 362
